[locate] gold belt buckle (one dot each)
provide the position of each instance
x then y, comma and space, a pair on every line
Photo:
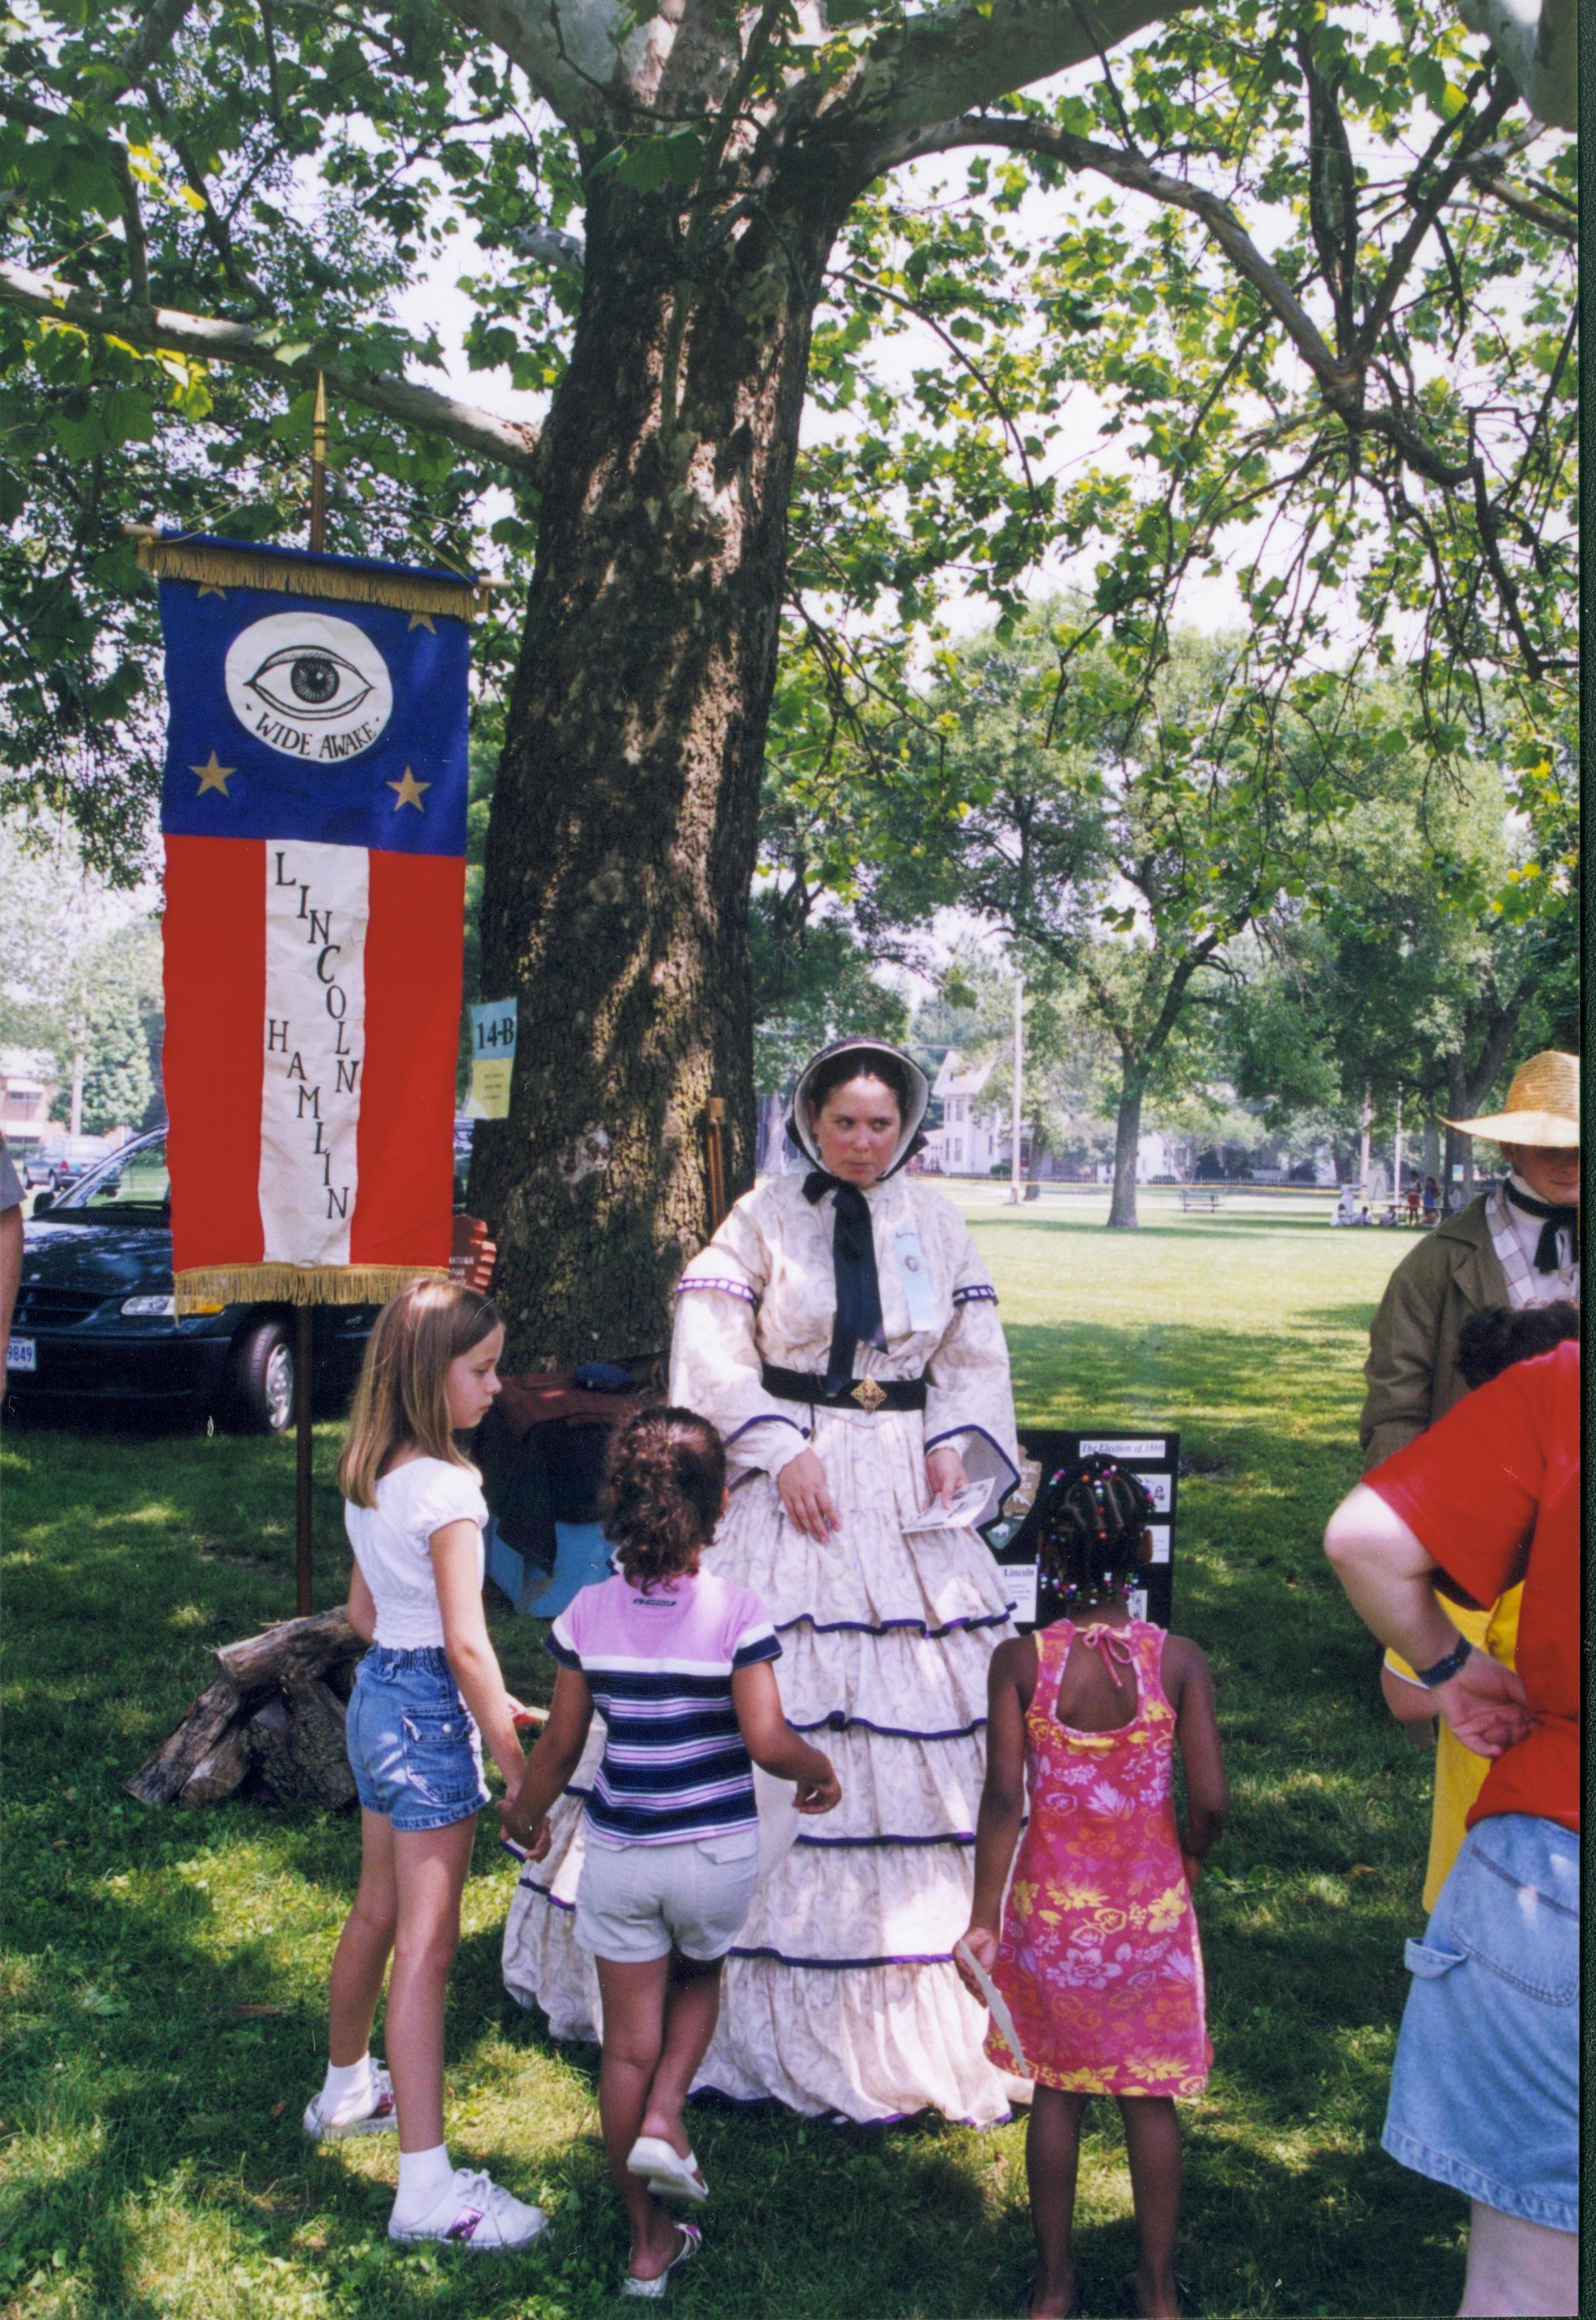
868, 1395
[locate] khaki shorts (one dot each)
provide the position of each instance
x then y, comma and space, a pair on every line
635, 1902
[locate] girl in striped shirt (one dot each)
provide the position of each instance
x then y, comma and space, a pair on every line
679, 1666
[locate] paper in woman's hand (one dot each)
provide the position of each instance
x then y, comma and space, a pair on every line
968, 1501
996, 2007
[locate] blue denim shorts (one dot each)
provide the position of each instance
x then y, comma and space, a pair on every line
413, 1748
1484, 2095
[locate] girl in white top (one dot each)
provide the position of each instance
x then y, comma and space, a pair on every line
426, 1696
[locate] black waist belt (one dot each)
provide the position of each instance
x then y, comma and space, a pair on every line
869, 1394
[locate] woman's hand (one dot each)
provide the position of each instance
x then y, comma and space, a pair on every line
806, 1498
819, 1795
981, 1943
944, 1470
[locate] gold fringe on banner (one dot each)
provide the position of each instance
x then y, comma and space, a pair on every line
202, 1288
231, 566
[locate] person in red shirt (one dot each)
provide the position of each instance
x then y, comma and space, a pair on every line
1485, 2093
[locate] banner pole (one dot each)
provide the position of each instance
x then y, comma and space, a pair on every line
305, 1320
319, 469
304, 1340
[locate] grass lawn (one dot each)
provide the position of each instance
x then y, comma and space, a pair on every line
163, 1974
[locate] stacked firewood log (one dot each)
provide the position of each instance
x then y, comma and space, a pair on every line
271, 1727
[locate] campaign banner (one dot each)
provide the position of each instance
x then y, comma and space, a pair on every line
313, 814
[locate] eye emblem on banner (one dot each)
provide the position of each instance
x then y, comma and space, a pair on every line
318, 684
310, 685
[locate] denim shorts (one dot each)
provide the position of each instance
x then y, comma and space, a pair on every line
413, 1748
1484, 2095
636, 1902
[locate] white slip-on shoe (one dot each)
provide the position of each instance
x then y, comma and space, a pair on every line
477, 2214
380, 2117
653, 2290
668, 2175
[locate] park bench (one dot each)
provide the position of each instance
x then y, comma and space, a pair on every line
1198, 1196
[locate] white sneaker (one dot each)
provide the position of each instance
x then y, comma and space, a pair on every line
474, 2213
379, 2117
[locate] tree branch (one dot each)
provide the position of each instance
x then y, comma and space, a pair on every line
1339, 380
937, 62
153, 37
504, 442
1485, 173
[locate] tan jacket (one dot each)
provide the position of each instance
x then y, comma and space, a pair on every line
1413, 1364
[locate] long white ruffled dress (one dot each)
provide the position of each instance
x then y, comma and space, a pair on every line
840, 1994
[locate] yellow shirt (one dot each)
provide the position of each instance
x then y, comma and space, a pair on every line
1459, 1774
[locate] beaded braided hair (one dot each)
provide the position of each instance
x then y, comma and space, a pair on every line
1093, 1522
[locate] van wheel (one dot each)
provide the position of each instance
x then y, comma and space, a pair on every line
260, 1380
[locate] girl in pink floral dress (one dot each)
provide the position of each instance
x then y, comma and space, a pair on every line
1098, 1959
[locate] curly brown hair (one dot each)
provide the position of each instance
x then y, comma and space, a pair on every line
665, 1485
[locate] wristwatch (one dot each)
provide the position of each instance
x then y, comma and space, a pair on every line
1445, 1670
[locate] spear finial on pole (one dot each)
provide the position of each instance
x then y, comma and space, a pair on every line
319, 469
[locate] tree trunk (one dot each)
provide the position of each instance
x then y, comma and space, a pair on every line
1127, 1131
622, 837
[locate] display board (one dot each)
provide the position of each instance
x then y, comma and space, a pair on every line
1153, 1458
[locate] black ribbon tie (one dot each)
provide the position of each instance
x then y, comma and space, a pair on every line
854, 1270
1556, 1220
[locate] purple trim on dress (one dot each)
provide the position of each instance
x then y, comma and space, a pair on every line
765, 1418
838, 2117
886, 1626
998, 1447
837, 1722
731, 1289
979, 1293
846, 1965
863, 1843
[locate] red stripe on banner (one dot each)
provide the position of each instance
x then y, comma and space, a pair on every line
214, 969
406, 1150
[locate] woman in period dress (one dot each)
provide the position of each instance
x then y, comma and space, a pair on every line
842, 1333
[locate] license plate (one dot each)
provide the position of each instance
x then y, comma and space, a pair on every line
21, 1354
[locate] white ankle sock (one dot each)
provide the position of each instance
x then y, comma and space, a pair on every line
424, 2178
348, 2086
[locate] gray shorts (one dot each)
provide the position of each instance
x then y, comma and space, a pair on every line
636, 1902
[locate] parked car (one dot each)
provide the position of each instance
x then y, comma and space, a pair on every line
57, 1161
94, 1320
95, 1323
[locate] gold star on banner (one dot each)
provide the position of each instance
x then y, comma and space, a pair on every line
422, 621
209, 591
212, 776
409, 791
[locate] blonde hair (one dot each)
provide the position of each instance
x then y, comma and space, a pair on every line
401, 1398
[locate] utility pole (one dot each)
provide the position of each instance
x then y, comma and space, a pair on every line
1397, 1192
1014, 1191
1363, 1148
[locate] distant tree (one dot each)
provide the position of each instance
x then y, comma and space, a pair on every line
1444, 947
1123, 832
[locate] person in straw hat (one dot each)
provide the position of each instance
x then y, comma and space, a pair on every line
1515, 1244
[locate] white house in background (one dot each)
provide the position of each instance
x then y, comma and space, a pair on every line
28, 1084
968, 1142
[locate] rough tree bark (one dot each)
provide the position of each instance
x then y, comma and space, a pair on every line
622, 835
1127, 1132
